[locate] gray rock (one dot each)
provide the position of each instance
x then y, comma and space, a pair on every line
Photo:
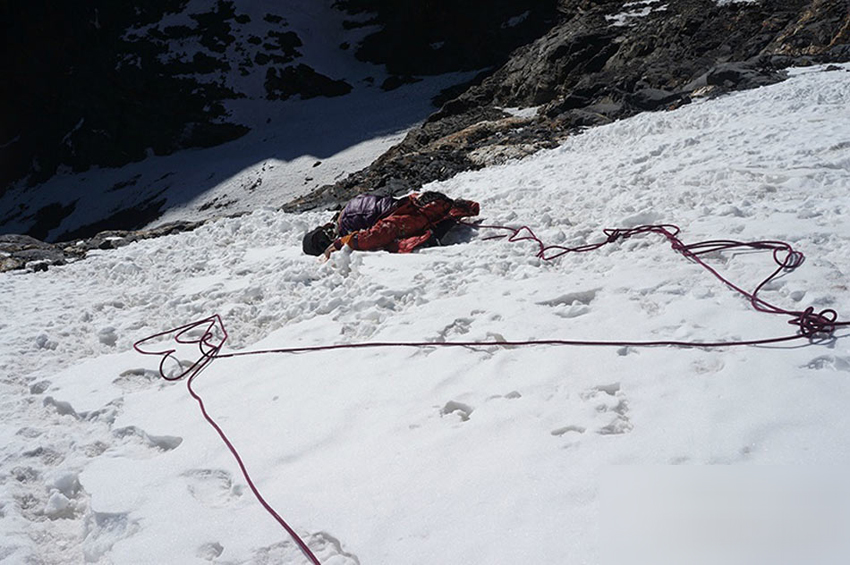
736, 76
25, 252
654, 98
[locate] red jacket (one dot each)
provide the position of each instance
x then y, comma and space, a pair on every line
408, 226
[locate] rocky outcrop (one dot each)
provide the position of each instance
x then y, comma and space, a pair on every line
821, 29
300, 79
605, 60
24, 252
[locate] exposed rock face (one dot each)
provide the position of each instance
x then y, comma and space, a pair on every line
602, 61
821, 29
25, 252
20, 251
301, 79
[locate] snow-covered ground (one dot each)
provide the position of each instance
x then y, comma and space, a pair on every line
487, 455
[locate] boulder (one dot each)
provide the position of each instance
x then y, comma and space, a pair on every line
736, 76
23, 251
654, 98
304, 80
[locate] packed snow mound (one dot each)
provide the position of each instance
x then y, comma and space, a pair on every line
478, 455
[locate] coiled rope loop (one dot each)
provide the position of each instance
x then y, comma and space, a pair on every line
203, 334
811, 325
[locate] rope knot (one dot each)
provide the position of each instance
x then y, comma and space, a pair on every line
614, 235
208, 335
792, 260
679, 247
813, 323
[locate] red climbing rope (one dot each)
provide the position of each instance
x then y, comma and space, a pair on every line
811, 325
209, 349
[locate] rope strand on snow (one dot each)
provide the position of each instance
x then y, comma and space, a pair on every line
209, 351
811, 325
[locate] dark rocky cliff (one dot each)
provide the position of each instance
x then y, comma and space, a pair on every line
603, 60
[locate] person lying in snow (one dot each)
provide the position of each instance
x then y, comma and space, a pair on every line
370, 222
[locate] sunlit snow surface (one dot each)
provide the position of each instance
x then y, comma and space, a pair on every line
455, 456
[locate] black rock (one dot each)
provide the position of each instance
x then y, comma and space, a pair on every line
84, 93
736, 76
304, 80
654, 98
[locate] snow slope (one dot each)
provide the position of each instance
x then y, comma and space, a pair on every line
460, 456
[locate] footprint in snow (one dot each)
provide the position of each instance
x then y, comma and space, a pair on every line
512, 395
136, 379
209, 551
573, 304
457, 410
460, 326
60, 407
324, 546
833, 362
47, 455
212, 487
602, 409
567, 429
104, 530
709, 364
39, 387
132, 437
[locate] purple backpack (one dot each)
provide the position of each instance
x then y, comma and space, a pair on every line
363, 211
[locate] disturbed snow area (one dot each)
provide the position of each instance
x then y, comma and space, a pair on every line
477, 455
